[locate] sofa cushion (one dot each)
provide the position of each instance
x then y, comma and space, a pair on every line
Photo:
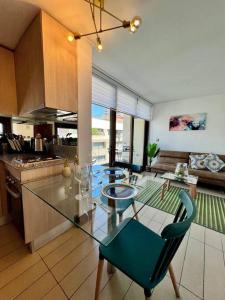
176, 154
214, 163
197, 161
171, 160
207, 174
164, 167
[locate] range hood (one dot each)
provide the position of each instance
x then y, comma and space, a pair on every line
48, 114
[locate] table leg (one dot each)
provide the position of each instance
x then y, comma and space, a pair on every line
168, 185
164, 187
193, 190
111, 224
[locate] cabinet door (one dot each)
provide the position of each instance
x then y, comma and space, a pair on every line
60, 66
8, 101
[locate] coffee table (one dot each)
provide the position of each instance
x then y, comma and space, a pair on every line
190, 181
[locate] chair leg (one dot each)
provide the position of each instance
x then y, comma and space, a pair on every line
148, 294
173, 279
135, 211
99, 276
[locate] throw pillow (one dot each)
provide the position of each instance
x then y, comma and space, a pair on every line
197, 161
214, 163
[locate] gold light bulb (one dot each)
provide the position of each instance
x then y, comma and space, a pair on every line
70, 37
135, 24
136, 21
99, 45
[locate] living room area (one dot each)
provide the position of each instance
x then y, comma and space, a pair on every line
114, 188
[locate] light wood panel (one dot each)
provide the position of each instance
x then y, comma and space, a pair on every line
3, 194
46, 70
39, 217
60, 66
35, 174
30, 69
8, 100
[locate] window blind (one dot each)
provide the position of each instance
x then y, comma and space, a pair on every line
103, 93
144, 109
126, 102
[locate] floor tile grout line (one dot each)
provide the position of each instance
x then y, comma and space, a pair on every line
31, 284
49, 291
22, 247
204, 267
76, 264
15, 249
62, 245
127, 290
67, 253
182, 269
72, 228
54, 277
22, 274
181, 285
87, 279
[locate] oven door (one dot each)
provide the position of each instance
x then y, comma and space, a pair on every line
15, 205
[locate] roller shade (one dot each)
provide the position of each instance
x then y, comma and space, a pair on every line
126, 102
144, 109
103, 93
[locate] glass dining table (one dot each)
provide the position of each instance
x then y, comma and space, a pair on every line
95, 214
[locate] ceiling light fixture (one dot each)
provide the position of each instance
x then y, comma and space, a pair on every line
132, 25
99, 44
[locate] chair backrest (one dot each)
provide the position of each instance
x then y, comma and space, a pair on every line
174, 233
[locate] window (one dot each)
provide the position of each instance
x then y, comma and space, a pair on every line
103, 93
123, 138
126, 102
100, 134
119, 123
67, 132
98, 145
113, 95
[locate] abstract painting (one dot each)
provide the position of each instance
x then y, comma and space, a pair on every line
188, 122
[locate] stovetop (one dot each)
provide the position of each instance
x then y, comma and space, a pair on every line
34, 161
36, 158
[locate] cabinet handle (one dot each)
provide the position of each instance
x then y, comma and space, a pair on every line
12, 193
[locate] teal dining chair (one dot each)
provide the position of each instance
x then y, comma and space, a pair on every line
145, 256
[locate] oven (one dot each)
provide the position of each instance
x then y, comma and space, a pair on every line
15, 203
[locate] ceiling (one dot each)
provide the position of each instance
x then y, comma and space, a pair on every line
178, 53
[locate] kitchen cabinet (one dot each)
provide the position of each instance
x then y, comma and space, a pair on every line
8, 101
3, 195
46, 67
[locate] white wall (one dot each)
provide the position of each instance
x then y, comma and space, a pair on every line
210, 140
84, 70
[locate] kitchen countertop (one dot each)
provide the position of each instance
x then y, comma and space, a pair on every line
10, 159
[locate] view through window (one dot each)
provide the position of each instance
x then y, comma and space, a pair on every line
123, 137
100, 134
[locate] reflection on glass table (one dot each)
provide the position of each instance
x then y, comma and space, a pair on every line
91, 212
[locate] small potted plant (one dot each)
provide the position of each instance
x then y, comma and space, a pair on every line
152, 151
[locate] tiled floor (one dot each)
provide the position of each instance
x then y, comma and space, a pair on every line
66, 267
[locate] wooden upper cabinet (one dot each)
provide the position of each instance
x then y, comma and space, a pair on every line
8, 101
46, 67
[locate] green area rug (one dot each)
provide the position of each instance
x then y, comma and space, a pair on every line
210, 209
